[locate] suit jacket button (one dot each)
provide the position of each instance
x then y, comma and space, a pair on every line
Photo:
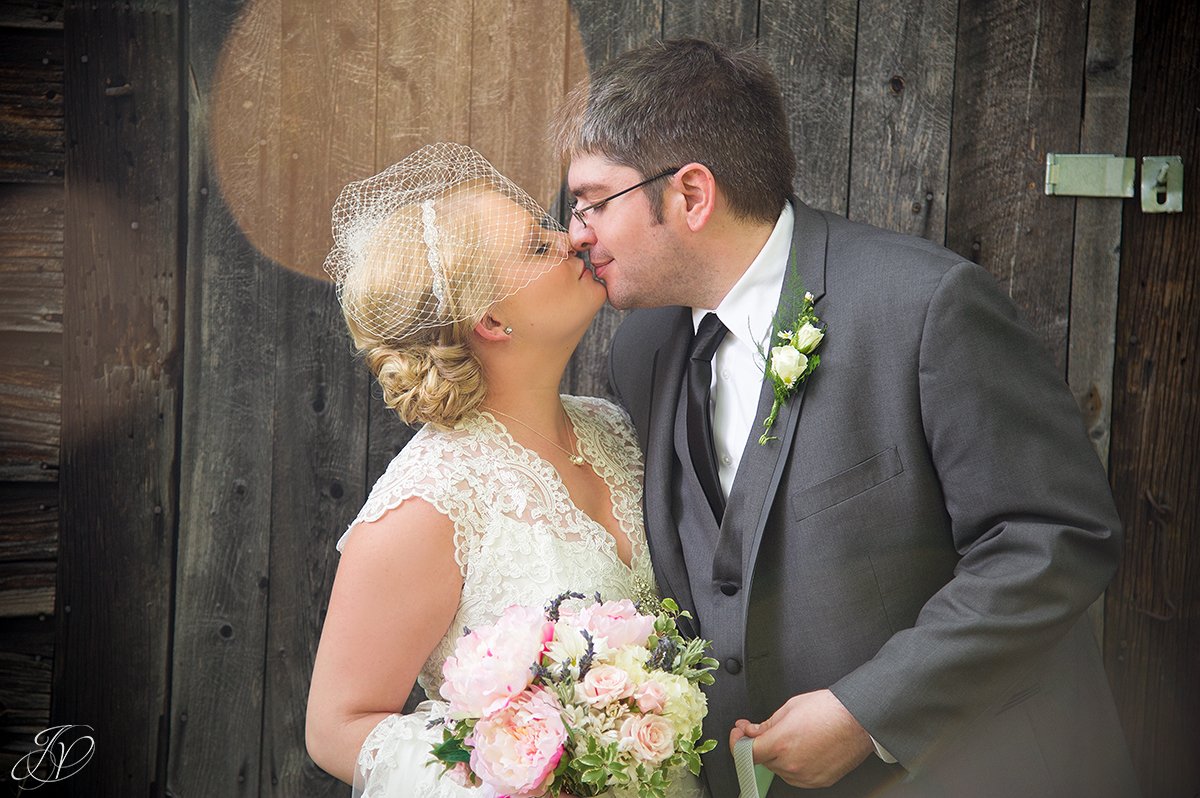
729, 589
733, 665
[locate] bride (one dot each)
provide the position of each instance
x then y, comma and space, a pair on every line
466, 302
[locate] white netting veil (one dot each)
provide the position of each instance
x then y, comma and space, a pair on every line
435, 239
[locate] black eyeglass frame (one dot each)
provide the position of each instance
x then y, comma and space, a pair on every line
578, 213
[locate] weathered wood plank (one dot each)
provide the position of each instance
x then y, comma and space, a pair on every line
811, 47
715, 20
1152, 639
31, 107
1017, 92
601, 31
229, 390
31, 229
26, 666
1097, 249
28, 522
319, 458
904, 90
30, 406
518, 78
27, 589
40, 14
121, 383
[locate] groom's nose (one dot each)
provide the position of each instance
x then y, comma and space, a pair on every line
582, 236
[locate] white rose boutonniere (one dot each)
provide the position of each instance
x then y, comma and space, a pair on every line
791, 360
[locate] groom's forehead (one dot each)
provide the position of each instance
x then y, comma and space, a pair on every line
594, 175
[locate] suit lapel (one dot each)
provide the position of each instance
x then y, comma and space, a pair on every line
753, 492
666, 549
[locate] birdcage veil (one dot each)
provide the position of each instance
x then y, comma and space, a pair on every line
435, 239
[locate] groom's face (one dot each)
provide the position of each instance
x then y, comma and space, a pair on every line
635, 255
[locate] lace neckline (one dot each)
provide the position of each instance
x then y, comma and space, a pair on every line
485, 422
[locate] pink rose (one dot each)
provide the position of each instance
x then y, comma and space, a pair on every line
603, 685
651, 738
650, 697
492, 664
617, 623
516, 749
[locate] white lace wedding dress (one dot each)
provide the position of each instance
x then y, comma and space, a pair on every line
519, 539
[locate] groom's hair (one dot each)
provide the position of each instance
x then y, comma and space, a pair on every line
677, 101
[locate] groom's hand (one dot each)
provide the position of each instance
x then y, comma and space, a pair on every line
811, 741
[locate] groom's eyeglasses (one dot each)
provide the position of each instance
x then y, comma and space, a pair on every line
578, 213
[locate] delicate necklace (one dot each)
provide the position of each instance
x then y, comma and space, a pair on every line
575, 457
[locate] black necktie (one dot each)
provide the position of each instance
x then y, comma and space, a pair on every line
699, 422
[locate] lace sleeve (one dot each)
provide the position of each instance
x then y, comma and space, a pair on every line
396, 761
443, 469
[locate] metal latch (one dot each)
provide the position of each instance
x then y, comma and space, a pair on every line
1089, 175
1162, 184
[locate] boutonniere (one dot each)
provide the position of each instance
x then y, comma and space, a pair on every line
791, 359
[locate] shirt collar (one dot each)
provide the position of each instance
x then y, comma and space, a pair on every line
747, 310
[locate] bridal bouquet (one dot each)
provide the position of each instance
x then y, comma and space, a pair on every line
577, 698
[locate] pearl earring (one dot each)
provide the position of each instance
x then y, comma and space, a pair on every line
508, 330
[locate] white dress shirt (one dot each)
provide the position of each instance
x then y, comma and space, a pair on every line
738, 368
746, 311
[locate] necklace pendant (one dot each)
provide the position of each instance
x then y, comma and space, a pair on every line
577, 459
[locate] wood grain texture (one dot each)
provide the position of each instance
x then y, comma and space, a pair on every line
716, 20
904, 90
31, 106
1152, 639
38, 14
1017, 93
122, 336
518, 78
30, 406
26, 661
28, 522
1097, 248
605, 30
228, 426
424, 76
320, 442
811, 48
27, 589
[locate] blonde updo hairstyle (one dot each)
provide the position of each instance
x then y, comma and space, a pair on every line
429, 376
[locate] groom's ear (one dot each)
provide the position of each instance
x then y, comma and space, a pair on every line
698, 189
489, 328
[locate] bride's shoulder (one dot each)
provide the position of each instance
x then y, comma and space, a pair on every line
600, 409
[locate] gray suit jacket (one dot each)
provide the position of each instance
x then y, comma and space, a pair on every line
923, 537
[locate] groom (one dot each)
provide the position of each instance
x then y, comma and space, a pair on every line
896, 582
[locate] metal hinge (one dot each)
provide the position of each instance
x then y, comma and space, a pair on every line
1075, 175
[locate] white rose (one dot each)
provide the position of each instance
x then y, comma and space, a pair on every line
788, 364
650, 737
807, 338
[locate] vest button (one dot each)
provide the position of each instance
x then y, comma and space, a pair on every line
733, 665
729, 589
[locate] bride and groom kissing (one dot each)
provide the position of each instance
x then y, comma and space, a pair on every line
894, 573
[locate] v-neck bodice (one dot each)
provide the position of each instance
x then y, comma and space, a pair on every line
519, 537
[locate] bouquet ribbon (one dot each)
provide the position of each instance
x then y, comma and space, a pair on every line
753, 780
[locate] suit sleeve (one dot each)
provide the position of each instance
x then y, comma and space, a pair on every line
1031, 514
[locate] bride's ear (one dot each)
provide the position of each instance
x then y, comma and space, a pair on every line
489, 328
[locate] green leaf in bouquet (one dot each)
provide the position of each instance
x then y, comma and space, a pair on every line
705, 746
669, 605
451, 750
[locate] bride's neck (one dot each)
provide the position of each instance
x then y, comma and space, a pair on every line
537, 405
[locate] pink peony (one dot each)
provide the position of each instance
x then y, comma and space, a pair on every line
491, 665
651, 738
516, 749
603, 685
650, 697
617, 623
